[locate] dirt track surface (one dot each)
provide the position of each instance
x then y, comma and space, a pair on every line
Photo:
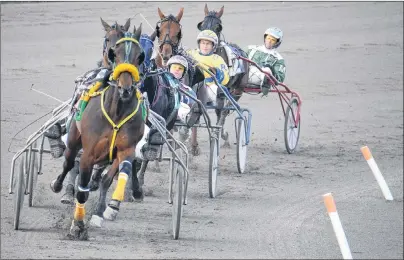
344, 59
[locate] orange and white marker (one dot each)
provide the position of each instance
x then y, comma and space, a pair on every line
376, 172
336, 224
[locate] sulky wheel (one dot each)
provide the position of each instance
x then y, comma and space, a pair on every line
241, 146
33, 176
292, 130
177, 206
213, 166
19, 192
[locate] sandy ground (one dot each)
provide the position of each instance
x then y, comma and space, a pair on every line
344, 59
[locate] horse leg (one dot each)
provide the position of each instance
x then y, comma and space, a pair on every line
68, 197
74, 141
125, 169
96, 177
224, 134
78, 228
195, 150
97, 219
138, 172
236, 95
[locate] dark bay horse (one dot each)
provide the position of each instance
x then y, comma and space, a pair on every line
112, 125
237, 82
112, 34
162, 99
115, 32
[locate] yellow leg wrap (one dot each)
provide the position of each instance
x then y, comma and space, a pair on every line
79, 212
120, 187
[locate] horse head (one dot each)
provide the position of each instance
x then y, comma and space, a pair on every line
127, 55
212, 21
169, 34
112, 34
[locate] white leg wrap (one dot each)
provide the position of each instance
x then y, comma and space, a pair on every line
142, 142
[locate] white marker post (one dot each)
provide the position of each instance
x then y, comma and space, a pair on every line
376, 172
336, 224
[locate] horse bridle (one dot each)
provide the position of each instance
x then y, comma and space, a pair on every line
128, 40
114, 27
167, 39
212, 16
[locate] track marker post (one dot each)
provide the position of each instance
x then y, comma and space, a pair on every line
376, 172
336, 224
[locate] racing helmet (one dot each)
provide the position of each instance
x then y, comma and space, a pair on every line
209, 36
275, 32
178, 59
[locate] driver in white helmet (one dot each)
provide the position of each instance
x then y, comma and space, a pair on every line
207, 43
178, 66
268, 58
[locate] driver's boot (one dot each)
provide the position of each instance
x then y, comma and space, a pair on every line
54, 135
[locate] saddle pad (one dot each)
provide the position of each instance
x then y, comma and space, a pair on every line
235, 65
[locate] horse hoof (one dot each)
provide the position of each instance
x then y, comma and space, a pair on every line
93, 185
137, 200
83, 235
110, 213
226, 144
157, 166
196, 150
96, 221
137, 196
78, 231
225, 136
55, 186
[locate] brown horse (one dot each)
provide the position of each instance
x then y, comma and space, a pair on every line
112, 35
238, 82
112, 125
169, 35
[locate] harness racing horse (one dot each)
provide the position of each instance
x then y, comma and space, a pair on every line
112, 35
169, 35
163, 100
112, 125
238, 80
